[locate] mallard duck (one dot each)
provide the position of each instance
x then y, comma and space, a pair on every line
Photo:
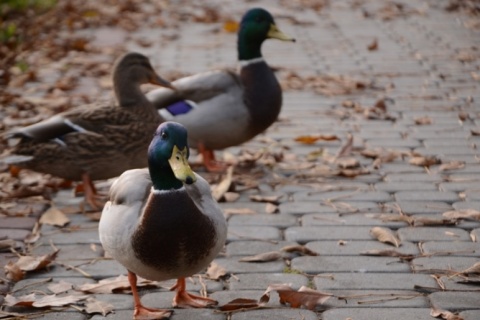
98, 141
223, 108
162, 222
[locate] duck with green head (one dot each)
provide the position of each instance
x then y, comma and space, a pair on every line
162, 222
97, 141
223, 108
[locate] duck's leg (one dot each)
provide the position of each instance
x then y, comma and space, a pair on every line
90, 193
142, 312
209, 161
183, 299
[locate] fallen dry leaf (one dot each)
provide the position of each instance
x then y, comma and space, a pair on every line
475, 269
240, 304
55, 217
60, 287
220, 189
271, 208
7, 244
241, 211
475, 132
388, 253
424, 161
231, 26
32, 300
300, 249
347, 163
347, 147
263, 257
468, 214
373, 45
116, 284
270, 199
311, 139
97, 306
13, 272
304, 297
452, 165
34, 263
444, 314
385, 235
216, 271
421, 121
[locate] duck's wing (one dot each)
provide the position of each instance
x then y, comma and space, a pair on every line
196, 88
131, 188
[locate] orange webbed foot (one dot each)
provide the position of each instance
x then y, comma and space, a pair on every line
183, 299
142, 312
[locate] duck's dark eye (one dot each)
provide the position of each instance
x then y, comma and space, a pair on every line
164, 135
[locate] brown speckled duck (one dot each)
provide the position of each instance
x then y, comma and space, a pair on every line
162, 222
223, 108
98, 141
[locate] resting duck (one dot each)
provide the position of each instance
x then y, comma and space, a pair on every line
98, 141
223, 108
162, 222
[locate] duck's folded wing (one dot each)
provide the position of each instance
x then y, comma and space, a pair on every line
131, 188
48, 129
196, 88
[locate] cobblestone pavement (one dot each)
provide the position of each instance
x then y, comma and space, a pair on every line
427, 67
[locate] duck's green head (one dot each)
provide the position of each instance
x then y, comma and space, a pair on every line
256, 26
168, 157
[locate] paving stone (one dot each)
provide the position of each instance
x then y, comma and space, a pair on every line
260, 281
26, 223
99, 270
355, 247
377, 313
273, 220
248, 248
358, 219
361, 264
467, 205
303, 207
119, 301
307, 234
60, 315
27, 286
475, 234
396, 186
413, 177
402, 167
420, 234
458, 186
371, 196
393, 143
74, 237
420, 207
372, 281
472, 195
71, 252
252, 233
456, 248
277, 314
223, 297
234, 266
454, 301
470, 315
377, 299
438, 264
445, 196
15, 234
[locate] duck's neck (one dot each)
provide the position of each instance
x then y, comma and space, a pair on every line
163, 178
248, 50
128, 93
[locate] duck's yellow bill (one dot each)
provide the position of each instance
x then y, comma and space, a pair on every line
275, 33
181, 169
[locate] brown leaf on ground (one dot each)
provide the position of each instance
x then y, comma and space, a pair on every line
45, 301
240, 304
112, 285
304, 297
271, 208
60, 287
311, 139
468, 214
55, 217
385, 235
352, 173
13, 272
270, 199
452, 165
396, 218
475, 269
216, 271
35, 263
241, 211
424, 161
347, 163
96, 306
299, 248
263, 257
372, 46
346, 148
475, 132
220, 189
7, 244
422, 121
388, 253
444, 314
